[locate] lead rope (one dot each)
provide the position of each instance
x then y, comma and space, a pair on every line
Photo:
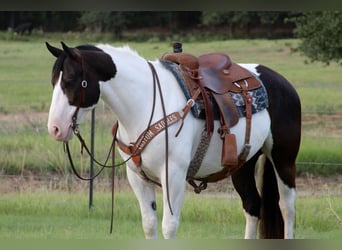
113, 178
156, 80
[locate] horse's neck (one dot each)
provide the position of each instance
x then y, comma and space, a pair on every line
130, 94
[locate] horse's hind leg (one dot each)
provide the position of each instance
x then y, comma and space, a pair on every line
145, 194
244, 183
285, 173
287, 199
284, 150
278, 189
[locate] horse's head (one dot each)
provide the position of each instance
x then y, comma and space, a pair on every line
76, 75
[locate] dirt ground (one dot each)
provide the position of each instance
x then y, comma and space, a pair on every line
306, 185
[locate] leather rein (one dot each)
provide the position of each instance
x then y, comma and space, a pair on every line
134, 150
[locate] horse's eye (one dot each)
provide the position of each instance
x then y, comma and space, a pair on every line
69, 84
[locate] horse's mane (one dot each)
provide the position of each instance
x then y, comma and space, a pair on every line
125, 49
58, 66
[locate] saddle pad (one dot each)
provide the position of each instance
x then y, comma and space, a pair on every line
259, 95
174, 69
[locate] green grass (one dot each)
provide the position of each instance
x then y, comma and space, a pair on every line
62, 215
320, 150
25, 75
25, 90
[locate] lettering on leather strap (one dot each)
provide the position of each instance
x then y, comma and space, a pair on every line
154, 130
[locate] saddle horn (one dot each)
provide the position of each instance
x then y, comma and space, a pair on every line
53, 50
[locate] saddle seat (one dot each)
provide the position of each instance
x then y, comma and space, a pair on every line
219, 74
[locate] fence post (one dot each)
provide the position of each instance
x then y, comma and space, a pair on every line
91, 182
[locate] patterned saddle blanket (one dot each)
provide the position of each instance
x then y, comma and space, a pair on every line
259, 96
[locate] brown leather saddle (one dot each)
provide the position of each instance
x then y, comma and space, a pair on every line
215, 75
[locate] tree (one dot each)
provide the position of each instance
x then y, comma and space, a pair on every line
233, 19
321, 36
247, 22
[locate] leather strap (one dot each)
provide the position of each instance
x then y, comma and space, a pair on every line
248, 105
135, 149
226, 171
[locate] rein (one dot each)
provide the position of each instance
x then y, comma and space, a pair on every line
143, 140
156, 80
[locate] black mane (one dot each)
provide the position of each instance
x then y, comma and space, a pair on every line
88, 47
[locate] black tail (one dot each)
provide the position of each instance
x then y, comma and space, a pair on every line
271, 224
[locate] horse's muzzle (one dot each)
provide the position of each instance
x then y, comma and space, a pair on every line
60, 133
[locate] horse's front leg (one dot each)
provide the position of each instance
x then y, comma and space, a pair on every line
172, 203
145, 194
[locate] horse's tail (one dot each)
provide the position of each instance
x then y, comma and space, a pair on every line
271, 224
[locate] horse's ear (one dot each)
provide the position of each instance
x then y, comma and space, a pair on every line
72, 52
53, 50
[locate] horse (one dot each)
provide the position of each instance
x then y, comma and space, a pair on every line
23, 28
126, 82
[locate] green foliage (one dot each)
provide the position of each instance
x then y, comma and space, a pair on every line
242, 23
210, 18
321, 35
232, 23
100, 21
244, 18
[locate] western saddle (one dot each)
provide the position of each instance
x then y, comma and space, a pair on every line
211, 77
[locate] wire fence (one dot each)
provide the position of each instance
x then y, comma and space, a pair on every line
303, 163
67, 181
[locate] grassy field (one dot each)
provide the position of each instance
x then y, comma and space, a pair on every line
65, 215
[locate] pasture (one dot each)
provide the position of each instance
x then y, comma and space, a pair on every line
60, 210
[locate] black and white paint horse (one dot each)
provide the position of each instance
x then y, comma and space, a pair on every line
123, 79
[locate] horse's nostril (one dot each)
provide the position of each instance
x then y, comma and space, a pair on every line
55, 130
